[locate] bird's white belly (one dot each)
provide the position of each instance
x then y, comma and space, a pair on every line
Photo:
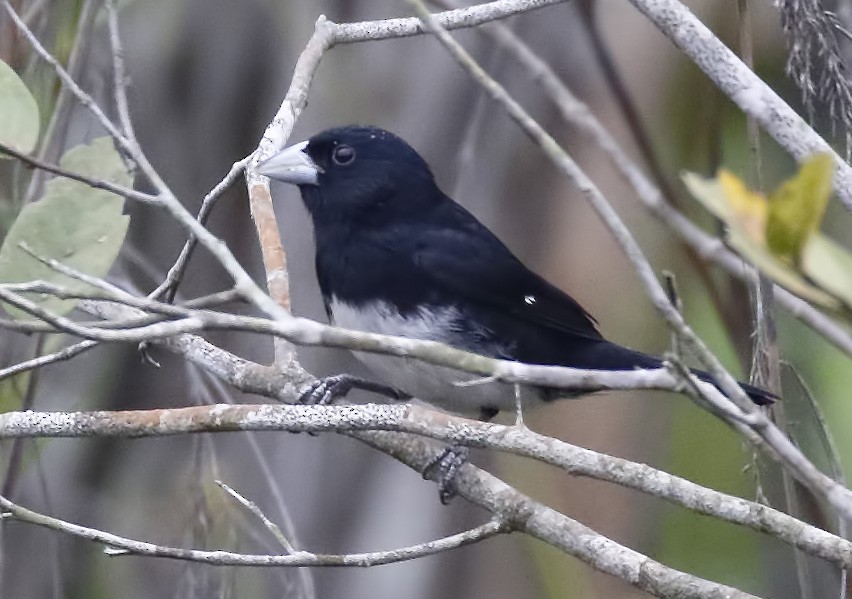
437, 385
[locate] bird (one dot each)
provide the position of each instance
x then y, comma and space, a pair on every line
395, 255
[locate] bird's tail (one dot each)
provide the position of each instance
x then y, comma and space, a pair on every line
761, 397
610, 356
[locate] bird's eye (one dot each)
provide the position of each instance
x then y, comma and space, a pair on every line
343, 154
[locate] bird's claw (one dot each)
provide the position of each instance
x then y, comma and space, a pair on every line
443, 469
325, 390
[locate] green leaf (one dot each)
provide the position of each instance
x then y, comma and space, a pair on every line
797, 207
19, 120
73, 223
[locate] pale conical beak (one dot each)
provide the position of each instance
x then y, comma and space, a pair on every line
291, 165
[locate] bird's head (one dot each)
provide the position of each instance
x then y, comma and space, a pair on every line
356, 173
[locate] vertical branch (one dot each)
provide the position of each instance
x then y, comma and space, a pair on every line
260, 198
274, 257
119, 74
765, 359
765, 364
169, 287
766, 370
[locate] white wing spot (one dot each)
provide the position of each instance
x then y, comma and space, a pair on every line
529, 299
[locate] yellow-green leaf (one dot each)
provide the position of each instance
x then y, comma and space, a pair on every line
19, 121
728, 198
740, 209
73, 223
797, 207
749, 208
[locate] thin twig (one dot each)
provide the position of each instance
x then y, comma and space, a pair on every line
118, 190
212, 384
11, 292
765, 362
39, 361
258, 513
226, 558
212, 300
168, 288
260, 197
461, 18
26, 327
625, 102
119, 74
73, 273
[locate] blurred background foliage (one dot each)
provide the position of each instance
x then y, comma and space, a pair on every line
205, 77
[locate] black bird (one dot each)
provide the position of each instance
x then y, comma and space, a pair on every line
395, 255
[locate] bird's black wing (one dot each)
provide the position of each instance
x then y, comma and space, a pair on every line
467, 261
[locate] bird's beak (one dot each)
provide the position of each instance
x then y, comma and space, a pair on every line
292, 165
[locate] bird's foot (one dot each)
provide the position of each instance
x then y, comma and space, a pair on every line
145, 353
325, 390
443, 469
